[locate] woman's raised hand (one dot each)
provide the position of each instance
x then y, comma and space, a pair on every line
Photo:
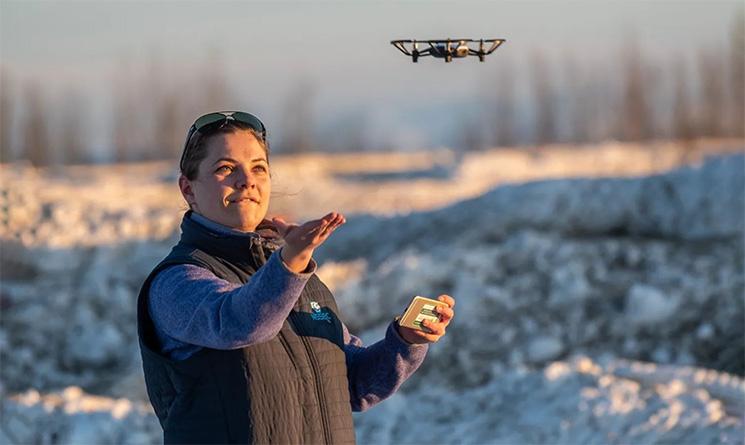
301, 240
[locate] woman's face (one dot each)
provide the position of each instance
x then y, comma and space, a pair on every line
232, 185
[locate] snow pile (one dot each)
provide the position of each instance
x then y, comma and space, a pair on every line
648, 269
692, 203
60, 209
577, 401
68, 315
536, 296
74, 417
570, 279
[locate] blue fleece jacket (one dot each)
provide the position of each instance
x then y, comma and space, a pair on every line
192, 308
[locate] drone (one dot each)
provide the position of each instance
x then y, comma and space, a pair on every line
448, 48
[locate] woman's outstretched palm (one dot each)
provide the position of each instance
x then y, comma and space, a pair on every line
301, 240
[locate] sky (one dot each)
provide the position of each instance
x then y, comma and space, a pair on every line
339, 51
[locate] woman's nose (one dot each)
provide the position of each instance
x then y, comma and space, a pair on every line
244, 180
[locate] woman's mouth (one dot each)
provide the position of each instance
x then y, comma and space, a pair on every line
244, 200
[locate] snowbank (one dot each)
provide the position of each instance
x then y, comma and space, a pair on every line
575, 401
71, 416
648, 269
689, 204
571, 278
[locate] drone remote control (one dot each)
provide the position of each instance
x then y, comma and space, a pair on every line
420, 309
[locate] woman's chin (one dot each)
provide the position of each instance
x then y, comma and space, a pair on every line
246, 225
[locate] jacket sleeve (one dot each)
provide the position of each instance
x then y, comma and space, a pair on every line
191, 305
377, 371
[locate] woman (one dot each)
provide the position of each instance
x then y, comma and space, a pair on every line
240, 340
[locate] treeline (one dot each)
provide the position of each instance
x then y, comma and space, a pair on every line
696, 94
544, 98
149, 112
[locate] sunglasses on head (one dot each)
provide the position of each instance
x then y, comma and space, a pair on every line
219, 118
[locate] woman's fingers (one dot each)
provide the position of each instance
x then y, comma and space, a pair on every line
283, 226
436, 329
333, 218
331, 222
329, 218
446, 314
431, 333
280, 224
313, 233
447, 299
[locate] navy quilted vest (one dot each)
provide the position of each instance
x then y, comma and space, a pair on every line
290, 389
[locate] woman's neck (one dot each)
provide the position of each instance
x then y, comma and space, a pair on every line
217, 227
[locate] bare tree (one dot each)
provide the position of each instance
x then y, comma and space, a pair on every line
298, 118
504, 125
169, 126
580, 117
348, 133
544, 100
71, 139
470, 136
6, 116
216, 90
658, 89
165, 103
683, 125
737, 74
636, 120
35, 128
152, 144
711, 68
594, 116
124, 113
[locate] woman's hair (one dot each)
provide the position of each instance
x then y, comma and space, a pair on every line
196, 147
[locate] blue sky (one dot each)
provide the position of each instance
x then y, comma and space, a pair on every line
339, 48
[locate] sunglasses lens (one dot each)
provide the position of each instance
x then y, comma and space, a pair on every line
208, 119
238, 116
250, 120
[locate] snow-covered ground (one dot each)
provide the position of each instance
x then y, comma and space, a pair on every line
588, 310
568, 402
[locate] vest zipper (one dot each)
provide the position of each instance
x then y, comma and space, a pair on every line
317, 378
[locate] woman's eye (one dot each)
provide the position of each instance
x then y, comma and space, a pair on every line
224, 169
260, 168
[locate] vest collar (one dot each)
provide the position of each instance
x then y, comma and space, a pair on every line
217, 227
236, 247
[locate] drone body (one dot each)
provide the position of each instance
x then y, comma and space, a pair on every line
447, 48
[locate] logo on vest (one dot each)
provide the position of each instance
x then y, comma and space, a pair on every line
319, 314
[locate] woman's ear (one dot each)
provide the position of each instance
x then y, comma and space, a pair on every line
186, 190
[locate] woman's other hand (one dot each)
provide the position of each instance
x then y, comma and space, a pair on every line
436, 329
301, 240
